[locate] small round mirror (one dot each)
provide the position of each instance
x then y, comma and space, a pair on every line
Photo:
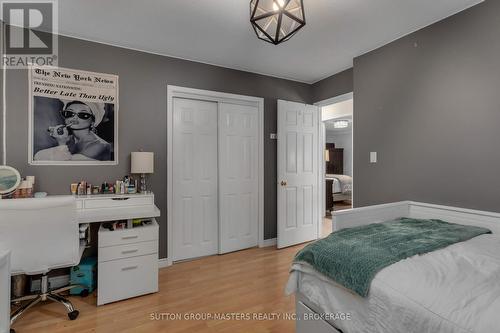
9, 179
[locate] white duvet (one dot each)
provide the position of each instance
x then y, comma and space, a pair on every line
452, 290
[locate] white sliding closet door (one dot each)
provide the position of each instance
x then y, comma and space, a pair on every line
238, 176
195, 200
297, 173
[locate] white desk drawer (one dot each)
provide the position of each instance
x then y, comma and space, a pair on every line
125, 278
126, 201
128, 236
127, 251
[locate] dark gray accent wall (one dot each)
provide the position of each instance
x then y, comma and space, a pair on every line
335, 85
142, 115
429, 104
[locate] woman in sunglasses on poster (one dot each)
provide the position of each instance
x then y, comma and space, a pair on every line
77, 139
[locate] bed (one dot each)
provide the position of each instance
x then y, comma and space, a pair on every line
454, 289
341, 187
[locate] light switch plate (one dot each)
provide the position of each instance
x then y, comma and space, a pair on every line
373, 157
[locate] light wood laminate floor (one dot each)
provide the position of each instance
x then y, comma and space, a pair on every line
250, 281
327, 226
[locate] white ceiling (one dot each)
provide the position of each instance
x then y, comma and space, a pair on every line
218, 31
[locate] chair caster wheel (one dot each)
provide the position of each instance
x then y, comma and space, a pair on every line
84, 293
73, 315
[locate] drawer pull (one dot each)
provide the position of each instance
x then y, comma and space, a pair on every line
119, 199
129, 268
130, 237
130, 251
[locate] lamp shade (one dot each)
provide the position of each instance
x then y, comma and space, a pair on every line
142, 162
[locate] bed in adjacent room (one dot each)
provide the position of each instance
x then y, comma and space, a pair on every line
453, 288
341, 187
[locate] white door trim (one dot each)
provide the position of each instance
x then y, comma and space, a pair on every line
207, 95
335, 100
321, 175
322, 161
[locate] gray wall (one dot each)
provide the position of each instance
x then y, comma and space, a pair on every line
335, 85
429, 104
142, 115
342, 139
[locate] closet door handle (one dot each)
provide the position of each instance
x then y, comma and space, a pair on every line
284, 183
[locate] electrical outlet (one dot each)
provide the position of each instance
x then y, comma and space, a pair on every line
273, 136
373, 157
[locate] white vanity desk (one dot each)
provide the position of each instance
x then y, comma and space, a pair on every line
110, 207
127, 258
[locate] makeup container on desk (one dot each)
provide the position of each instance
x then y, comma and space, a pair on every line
25, 190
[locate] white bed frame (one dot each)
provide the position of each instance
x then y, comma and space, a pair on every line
380, 213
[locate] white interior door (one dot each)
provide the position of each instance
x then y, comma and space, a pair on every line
297, 173
195, 199
238, 176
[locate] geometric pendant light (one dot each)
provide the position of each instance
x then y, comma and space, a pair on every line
276, 21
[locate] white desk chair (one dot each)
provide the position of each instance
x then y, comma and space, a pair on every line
42, 234
4, 291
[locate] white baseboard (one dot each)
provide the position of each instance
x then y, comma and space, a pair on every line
163, 262
269, 242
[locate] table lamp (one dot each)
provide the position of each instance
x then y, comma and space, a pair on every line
142, 163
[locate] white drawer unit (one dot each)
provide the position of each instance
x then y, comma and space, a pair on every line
127, 259
128, 236
127, 251
126, 278
127, 262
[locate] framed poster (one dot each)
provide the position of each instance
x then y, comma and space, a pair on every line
73, 117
